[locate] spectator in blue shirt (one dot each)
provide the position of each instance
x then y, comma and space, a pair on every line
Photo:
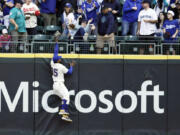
131, 11
90, 8
170, 28
7, 6
48, 11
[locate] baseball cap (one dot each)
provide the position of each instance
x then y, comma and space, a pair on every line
4, 31
146, 1
18, 1
68, 5
56, 58
171, 12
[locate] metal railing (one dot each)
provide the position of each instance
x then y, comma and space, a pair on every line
123, 45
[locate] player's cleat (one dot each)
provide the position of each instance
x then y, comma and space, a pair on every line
66, 118
63, 112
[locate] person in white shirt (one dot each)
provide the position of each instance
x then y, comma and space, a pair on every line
30, 10
68, 18
147, 20
59, 88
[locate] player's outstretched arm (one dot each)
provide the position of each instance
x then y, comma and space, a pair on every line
56, 48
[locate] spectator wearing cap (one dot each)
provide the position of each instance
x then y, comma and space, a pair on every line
114, 8
30, 11
67, 18
5, 39
17, 26
48, 11
105, 23
131, 11
7, 6
91, 9
147, 20
170, 28
74, 3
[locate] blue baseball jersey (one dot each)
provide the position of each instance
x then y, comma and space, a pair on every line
91, 11
171, 26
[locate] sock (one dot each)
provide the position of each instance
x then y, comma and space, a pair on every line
64, 105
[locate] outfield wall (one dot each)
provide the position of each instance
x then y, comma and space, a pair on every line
110, 95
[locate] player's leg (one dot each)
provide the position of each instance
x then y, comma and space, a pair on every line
65, 99
57, 88
62, 92
65, 103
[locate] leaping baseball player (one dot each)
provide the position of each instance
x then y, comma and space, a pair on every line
59, 87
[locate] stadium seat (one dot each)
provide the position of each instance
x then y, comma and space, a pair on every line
40, 29
41, 37
51, 29
39, 43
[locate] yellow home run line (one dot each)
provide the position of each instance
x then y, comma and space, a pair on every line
92, 56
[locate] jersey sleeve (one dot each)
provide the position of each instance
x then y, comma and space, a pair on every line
64, 69
12, 14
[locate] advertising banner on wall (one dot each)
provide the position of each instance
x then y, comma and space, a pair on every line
108, 97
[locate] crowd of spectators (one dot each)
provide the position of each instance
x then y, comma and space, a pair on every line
80, 18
